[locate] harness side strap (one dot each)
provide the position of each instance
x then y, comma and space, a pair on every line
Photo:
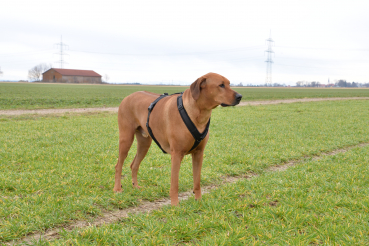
151, 107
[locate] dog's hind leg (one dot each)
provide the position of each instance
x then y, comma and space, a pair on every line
126, 136
143, 145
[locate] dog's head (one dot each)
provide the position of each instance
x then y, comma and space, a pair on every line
215, 90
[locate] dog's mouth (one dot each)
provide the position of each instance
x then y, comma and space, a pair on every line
229, 105
236, 101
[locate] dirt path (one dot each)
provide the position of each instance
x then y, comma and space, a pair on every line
56, 111
108, 217
115, 109
254, 103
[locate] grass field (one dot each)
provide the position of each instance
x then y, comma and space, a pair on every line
57, 169
319, 202
37, 96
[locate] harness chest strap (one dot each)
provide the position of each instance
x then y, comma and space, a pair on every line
186, 119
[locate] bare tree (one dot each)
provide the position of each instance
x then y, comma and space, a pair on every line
300, 83
106, 78
35, 73
341, 83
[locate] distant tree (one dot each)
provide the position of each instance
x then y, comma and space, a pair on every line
106, 78
354, 84
278, 85
307, 84
341, 83
303, 83
35, 73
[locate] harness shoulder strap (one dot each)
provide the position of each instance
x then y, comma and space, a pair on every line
190, 125
186, 119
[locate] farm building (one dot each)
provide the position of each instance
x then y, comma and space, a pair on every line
71, 76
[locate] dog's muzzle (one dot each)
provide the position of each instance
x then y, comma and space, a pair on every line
237, 100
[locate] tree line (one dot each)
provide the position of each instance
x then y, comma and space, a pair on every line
338, 83
261, 85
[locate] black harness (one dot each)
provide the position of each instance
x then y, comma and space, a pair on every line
186, 119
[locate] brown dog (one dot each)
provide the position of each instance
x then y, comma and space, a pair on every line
205, 94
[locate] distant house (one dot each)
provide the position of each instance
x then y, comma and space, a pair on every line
71, 76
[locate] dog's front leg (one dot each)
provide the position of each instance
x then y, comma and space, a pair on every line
176, 164
197, 158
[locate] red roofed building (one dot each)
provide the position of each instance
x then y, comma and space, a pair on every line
71, 76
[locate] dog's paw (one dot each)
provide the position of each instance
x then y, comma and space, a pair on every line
136, 186
118, 190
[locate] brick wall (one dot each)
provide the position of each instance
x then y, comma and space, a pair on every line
53, 76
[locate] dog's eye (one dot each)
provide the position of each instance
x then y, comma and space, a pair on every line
222, 85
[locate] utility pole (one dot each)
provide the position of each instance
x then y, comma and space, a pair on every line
269, 60
61, 53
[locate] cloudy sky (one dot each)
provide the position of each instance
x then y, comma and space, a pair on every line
170, 41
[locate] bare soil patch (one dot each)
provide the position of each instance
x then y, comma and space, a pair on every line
108, 217
115, 109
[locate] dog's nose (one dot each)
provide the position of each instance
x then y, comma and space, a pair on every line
238, 97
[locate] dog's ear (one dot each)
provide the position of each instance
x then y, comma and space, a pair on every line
196, 87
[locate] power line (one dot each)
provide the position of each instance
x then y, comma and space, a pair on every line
346, 69
24, 61
174, 54
321, 48
25, 53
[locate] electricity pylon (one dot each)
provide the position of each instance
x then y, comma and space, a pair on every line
61, 53
269, 60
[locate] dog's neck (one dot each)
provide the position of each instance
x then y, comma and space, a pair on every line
199, 115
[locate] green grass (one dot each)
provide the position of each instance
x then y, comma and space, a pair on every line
57, 169
318, 202
37, 96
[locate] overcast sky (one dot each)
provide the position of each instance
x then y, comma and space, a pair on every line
170, 41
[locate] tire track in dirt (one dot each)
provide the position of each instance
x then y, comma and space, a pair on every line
115, 109
109, 217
